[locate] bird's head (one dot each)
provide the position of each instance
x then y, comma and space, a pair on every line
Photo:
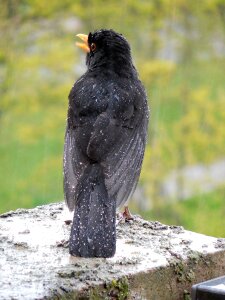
106, 48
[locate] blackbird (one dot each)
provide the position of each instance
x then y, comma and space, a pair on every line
104, 142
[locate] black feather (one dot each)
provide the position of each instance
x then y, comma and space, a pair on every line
104, 143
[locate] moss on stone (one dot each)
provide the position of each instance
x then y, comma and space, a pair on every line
186, 295
119, 289
184, 272
116, 289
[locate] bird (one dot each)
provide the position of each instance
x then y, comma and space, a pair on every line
105, 140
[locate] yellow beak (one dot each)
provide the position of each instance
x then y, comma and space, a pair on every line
84, 46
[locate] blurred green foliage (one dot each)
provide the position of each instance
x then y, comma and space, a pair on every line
203, 213
178, 48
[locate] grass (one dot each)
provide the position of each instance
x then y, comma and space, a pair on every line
32, 166
168, 99
203, 213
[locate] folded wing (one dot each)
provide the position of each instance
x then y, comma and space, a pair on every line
123, 164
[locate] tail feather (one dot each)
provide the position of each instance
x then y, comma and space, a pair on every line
93, 232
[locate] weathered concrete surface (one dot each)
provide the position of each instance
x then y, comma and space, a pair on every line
153, 261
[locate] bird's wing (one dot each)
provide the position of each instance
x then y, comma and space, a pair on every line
74, 164
123, 165
117, 141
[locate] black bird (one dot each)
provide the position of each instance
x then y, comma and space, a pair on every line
104, 142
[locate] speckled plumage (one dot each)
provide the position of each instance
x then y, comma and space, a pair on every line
104, 143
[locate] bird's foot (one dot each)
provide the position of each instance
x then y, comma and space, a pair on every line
68, 222
126, 214
63, 243
119, 218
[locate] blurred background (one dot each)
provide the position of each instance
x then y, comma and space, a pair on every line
178, 47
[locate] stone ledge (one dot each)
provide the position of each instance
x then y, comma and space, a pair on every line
152, 261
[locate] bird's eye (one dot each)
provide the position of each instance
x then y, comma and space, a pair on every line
93, 47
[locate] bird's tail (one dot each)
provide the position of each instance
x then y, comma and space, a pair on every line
93, 232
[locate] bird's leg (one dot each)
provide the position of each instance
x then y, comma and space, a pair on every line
126, 214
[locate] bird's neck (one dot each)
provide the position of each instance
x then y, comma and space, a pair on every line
122, 66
